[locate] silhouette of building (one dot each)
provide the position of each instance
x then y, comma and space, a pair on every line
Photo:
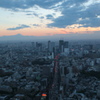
63, 46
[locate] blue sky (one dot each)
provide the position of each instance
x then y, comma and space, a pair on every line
49, 17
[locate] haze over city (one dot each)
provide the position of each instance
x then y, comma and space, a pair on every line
49, 49
50, 17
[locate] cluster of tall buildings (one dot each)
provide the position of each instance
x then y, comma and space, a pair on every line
51, 48
63, 46
49, 70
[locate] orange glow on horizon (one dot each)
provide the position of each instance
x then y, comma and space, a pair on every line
79, 30
48, 31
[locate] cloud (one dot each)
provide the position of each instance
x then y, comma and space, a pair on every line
89, 16
71, 10
36, 25
28, 14
72, 14
19, 27
42, 17
35, 14
24, 4
49, 16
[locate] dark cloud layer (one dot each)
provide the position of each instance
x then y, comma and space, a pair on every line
72, 11
23, 4
19, 27
36, 25
49, 16
71, 15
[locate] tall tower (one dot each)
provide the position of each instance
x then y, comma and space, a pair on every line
66, 48
66, 44
33, 45
61, 45
51, 46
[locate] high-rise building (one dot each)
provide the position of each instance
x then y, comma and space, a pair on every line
39, 46
63, 46
66, 48
66, 44
33, 45
51, 46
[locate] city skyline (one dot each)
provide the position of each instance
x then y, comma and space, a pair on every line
47, 18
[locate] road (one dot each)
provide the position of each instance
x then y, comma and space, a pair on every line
53, 92
53, 88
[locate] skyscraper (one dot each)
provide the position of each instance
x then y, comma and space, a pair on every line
66, 44
61, 45
51, 46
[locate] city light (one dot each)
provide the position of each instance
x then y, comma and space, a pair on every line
44, 94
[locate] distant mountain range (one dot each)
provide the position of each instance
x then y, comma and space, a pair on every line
16, 37
77, 36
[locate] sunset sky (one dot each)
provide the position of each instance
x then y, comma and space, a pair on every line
49, 17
